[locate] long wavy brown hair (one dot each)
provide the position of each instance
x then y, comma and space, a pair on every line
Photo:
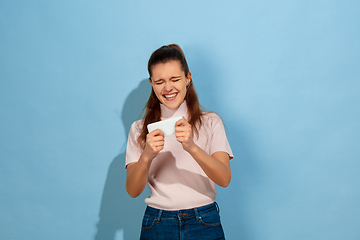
152, 108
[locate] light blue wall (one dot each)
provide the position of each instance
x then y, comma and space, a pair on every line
283, 75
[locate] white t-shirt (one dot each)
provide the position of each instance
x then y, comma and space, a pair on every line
175, 179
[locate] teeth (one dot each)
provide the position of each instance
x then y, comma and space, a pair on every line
170, 96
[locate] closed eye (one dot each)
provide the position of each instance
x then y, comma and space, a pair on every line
158, 82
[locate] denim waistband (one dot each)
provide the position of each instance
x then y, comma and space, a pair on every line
185, 213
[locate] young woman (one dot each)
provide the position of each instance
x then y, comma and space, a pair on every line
181, 170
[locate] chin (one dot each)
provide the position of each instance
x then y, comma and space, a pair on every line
172, 105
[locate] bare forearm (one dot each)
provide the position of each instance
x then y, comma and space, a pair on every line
216, 166
137, 173
218, 171
137, 178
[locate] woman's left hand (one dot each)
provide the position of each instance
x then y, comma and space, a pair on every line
183, 133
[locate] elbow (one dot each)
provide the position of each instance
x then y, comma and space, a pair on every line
225, 182
132, 194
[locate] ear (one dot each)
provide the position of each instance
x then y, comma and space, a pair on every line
188, 79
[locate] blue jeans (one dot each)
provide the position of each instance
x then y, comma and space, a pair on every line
201, 223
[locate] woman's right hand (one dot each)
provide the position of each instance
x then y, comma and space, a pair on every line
154, 143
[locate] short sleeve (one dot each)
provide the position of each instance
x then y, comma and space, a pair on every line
219, 141
133, 150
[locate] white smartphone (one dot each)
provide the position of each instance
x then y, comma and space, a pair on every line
166, 126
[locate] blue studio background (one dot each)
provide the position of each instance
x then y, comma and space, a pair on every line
283, 75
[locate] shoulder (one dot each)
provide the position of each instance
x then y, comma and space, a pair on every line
210, 117
137, 123
211, 121
136, 127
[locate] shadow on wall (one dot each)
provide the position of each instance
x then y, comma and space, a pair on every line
118, 211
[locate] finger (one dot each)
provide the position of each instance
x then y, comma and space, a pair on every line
159, 145
182, 122
152, 138
179, 129
156, 132
182, 137
181, 133
156, 138
161, 133
183, 128
158, 141
156, 146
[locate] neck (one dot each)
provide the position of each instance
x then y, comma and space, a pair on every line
169, 113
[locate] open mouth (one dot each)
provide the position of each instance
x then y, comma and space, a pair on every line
170, 97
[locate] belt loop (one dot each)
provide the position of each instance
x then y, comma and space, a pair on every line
217, 207
159, 215
196, 214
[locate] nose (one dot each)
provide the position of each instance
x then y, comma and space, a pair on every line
168, 86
